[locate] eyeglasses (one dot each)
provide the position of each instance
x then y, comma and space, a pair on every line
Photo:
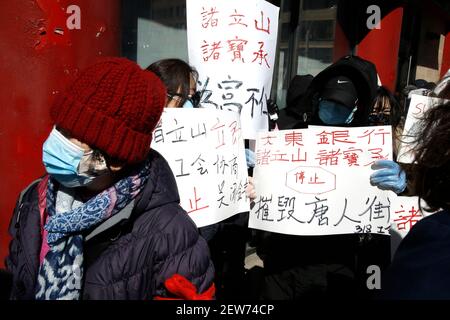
193, 98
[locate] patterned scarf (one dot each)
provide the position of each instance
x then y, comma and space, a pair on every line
60, 274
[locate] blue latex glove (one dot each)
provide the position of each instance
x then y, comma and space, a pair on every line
388, 176
250, 157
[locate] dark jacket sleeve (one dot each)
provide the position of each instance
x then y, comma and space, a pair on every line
11, 259
181, 250
15, 260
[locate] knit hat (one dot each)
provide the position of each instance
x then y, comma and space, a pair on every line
113, 106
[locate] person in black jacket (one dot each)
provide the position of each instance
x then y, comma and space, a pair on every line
105, 222
331, 266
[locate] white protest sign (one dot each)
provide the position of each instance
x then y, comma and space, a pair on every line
232, 44
205, 151
315, 181
418, 106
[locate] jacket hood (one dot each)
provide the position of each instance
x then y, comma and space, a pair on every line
363, 75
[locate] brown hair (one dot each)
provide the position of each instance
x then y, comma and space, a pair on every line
175, 73
431, 174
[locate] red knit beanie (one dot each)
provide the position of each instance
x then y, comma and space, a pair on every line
113, 106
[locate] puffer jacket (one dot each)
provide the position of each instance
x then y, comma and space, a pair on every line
128, 256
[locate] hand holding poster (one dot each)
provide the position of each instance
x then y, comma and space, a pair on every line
205, 151
315, 181
232, 44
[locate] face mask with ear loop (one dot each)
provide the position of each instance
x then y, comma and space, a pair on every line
334, 113
69, 164
193, 101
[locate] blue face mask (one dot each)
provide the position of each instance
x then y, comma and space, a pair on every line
61, 159
188, 104
331, 112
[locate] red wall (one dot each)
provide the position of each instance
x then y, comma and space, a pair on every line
381, 47
35, 64
446, 55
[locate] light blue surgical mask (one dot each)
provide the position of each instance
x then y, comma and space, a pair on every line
250, 157
188, 104
334, 113
61, 159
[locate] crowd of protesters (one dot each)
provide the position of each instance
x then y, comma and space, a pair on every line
105, 221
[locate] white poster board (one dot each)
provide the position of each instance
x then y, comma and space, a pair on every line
315, 181
232, 44
205, 151
418, 106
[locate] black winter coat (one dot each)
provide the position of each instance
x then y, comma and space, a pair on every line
128, 257
420, 268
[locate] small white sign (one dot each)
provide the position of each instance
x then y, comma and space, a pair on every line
206, 153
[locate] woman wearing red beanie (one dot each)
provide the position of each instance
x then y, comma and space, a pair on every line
105, 222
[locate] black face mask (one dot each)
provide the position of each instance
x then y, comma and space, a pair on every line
379, 119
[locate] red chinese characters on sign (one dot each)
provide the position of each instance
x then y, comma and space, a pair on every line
328, 158
236, 46
337, 136
262, 157
268, 139
293, 138
265, 27
407, 219
352, 156
194, 203
237, 19
310, 180
209, 18
235, 131
375, 133
219, 128
375, 155
211, 50
261, 55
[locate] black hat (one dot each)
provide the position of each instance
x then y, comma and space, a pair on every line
340, 89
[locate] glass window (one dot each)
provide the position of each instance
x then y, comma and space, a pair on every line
318, 4
309, 48
321, 30
156, 29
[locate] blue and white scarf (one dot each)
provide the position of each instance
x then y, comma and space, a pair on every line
60, 274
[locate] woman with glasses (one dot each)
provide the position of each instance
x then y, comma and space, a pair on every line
180, 80
226, 239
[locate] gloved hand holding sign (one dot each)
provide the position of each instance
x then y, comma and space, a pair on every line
388, 176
